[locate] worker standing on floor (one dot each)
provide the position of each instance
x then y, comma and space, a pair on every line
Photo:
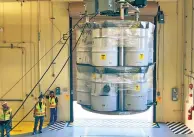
53, 102
39, 114
5, 119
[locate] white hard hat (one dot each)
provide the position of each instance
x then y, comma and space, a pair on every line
4, 103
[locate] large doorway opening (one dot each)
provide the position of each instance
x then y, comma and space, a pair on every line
83, 117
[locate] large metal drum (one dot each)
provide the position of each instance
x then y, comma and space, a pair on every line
104, 93
86, 37
84, 46
83, 88
135, 96
135, 102
136, 52
106, 32
84, 55
150, 56
83, 98
105, 52
149, 77
104, 89
136, 58
151, 51
150, 91
136, 43
104, 103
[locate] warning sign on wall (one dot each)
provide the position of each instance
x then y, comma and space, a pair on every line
159, 99
67, 96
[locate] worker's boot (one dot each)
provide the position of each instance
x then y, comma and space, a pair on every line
34, 132
40, 131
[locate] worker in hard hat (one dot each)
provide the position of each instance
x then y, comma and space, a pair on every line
39, 114
5, 119
53, 102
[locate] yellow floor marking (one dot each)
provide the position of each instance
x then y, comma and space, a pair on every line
24, 127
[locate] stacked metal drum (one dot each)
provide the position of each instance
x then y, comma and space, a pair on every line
84, 57
119, 71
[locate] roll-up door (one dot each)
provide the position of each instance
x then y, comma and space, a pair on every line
75, 9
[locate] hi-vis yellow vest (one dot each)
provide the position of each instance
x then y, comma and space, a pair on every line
5, 115
40, 111
52, 102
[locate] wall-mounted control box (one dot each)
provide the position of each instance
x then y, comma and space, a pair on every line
174, 94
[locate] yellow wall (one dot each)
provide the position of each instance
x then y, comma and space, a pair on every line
23, 27
20, 24
169, 68
188, 60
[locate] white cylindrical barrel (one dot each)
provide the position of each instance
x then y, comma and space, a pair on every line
99, 89
149, 77
83, 88
135, 102
135, 96
106, 32
104, 93
86, 37
84, 55
83, 98
104, 103
150, 91
137, 44
136, 52
105, 52
102, 85
151, 51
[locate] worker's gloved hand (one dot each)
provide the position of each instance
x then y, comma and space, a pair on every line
10, 125
34, 115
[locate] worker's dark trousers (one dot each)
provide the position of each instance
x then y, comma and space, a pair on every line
5, 127
53, 115
37, 119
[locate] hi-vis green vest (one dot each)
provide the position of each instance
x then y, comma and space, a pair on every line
5, 115
40, 111
52, 102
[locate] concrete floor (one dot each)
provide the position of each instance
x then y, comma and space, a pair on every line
100, 128
163, 131
80, 113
